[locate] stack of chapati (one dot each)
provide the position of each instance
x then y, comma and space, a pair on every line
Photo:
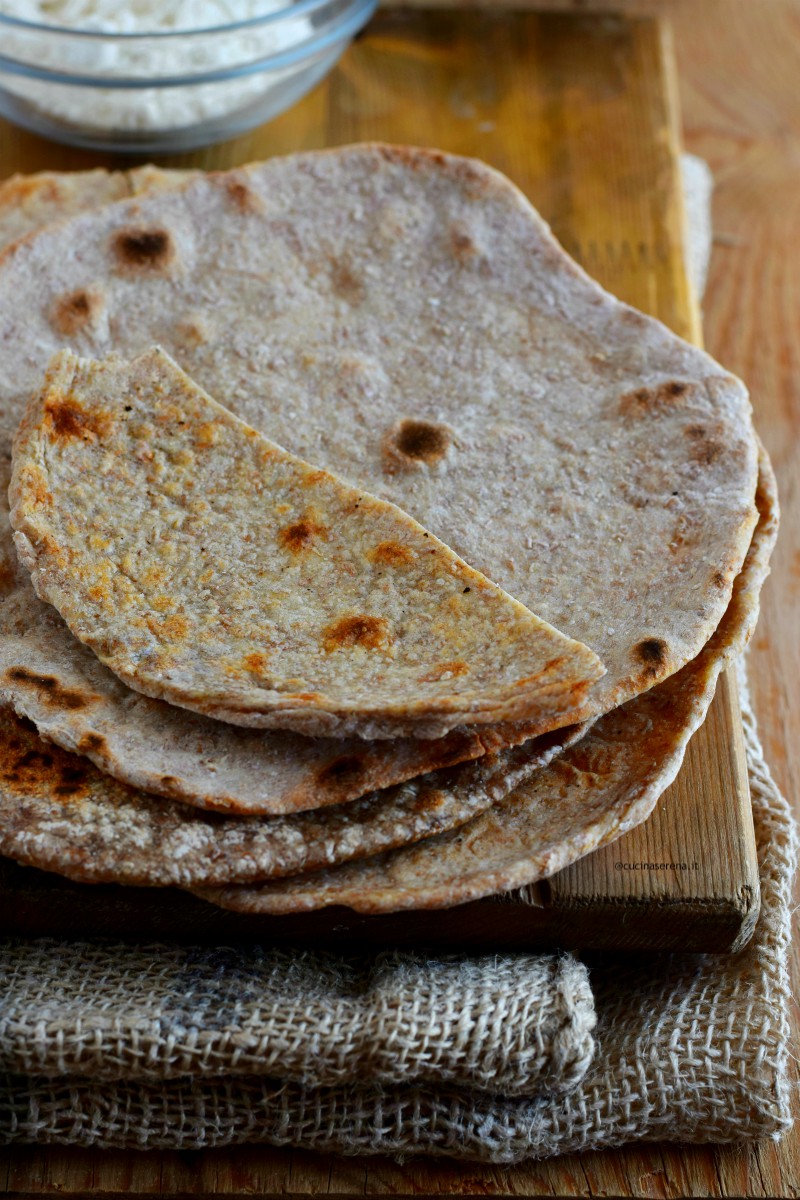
367, 552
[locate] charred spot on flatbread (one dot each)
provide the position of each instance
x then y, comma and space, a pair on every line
301, 535
391, 554
343, 770
413, 443
242, 196
49, 688
71, 780
422, 440
19, 763
92, 743
346, 283
643, 400
77, 311
359, 629
463, 244
705, 448
653, 654
143, 249
66, 419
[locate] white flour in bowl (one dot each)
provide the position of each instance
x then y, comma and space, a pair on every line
137, 16
146, 108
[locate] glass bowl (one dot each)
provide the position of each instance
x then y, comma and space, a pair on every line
171, 90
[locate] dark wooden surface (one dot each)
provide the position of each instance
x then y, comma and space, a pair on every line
739, 63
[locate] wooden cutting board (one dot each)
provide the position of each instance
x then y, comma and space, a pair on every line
581, 112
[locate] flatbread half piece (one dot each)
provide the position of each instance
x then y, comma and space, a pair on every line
207, 566
591, 794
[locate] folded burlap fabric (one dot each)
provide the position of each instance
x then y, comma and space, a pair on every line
518, 1025
690, 1048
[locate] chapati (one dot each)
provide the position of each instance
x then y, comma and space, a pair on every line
208, 567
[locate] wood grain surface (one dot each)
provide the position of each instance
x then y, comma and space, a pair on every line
739, 62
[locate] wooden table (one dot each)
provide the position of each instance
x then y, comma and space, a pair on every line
739, 62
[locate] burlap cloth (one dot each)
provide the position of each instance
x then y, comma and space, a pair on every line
519, 1026
486, 1058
